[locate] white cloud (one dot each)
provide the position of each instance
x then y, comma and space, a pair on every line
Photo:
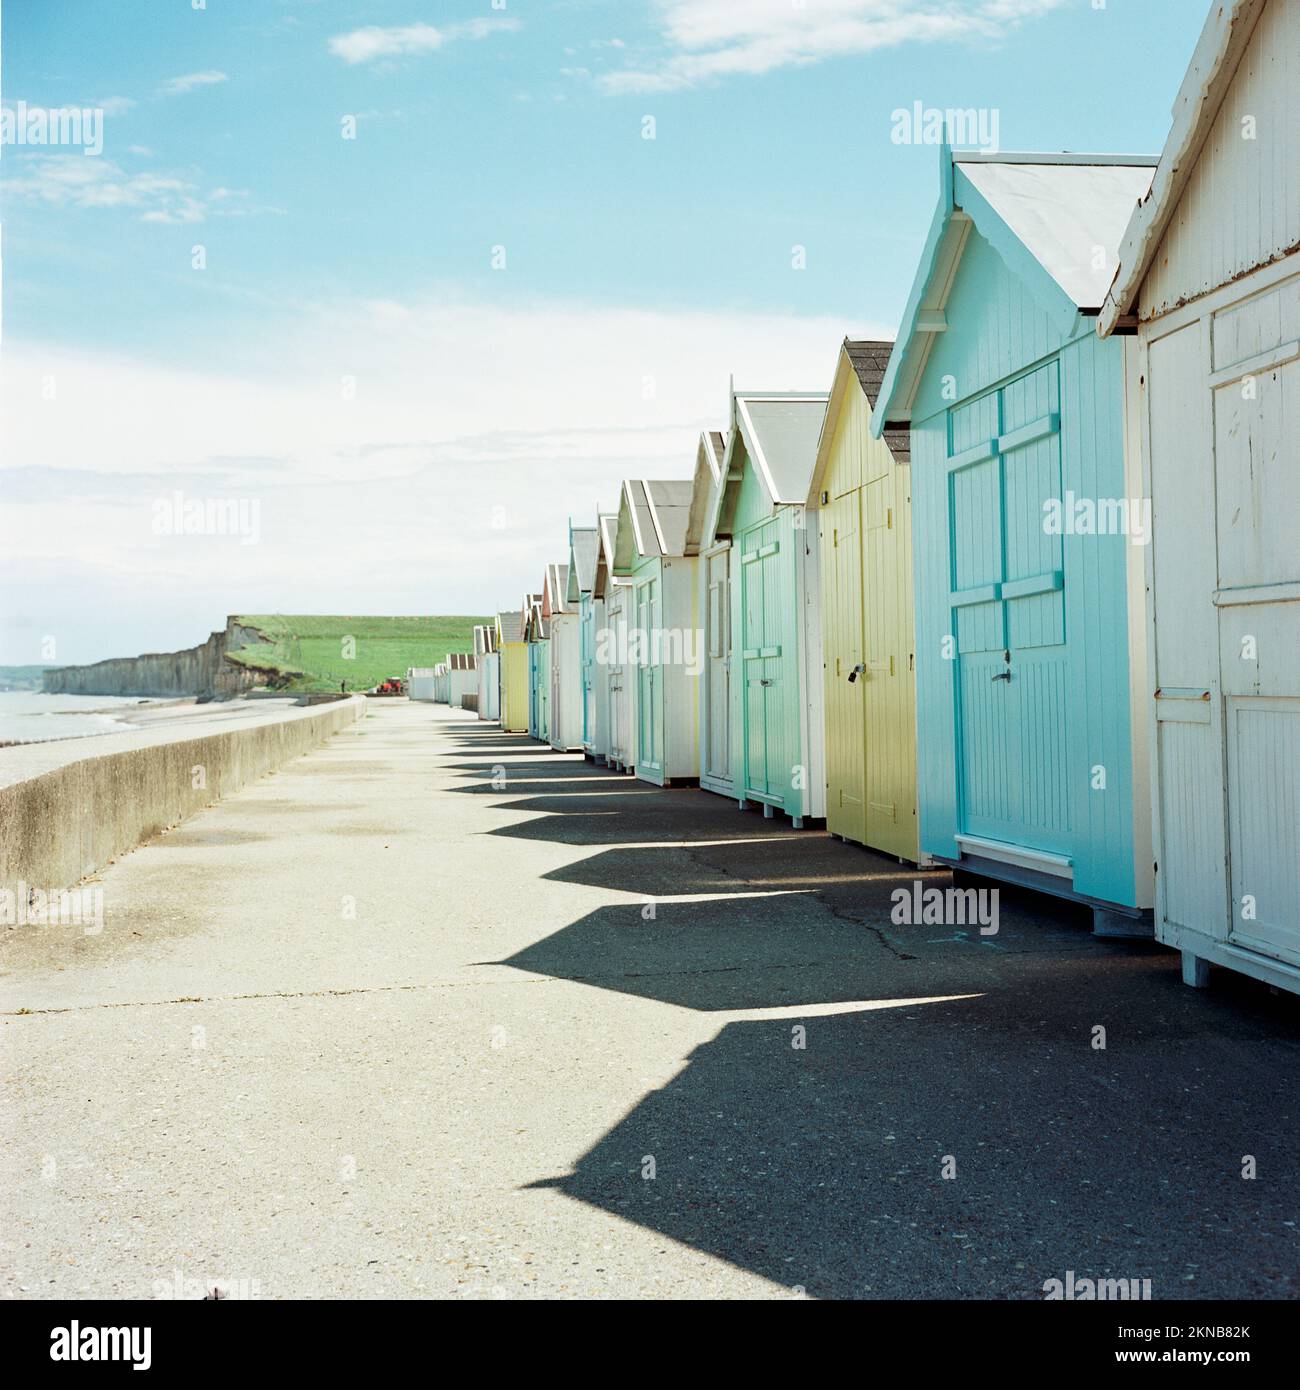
100, 183
707, 39
190, 81
60, 182
114, 106
379, 503
406, 40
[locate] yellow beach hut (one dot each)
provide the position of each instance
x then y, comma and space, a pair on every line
514, 671
860, 495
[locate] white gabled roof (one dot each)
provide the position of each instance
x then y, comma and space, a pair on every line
1055, 220
781, 435
607, 526
511, 626
555, 596
709, 453
653, 519
778, 431
1071, 217
584, 547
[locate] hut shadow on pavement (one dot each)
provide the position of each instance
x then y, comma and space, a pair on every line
734, 952
822, 1167
536, 783
925, 1050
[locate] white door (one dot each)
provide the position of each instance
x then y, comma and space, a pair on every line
1257, 495
1224, 455
1191, 888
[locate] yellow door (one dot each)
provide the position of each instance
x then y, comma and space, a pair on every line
889, 686
843, 635
514, 687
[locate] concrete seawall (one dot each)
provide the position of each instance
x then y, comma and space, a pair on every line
201, 670
66, 808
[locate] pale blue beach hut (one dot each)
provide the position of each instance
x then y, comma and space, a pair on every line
1030, 620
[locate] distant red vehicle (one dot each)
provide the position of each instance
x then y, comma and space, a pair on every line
394, 685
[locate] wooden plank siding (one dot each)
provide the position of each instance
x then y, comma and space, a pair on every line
1241, 205
1011, 412
867, 614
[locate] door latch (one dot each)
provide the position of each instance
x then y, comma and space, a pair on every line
1002, 676
858, 670
766, 680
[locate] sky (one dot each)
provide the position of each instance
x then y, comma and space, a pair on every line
409, 284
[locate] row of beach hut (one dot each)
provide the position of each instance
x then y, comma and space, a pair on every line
454, 681
1020, 592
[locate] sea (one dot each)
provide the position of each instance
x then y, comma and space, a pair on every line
28, 716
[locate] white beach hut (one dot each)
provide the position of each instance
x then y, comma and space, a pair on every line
488, 661
1209, 281
420, 683
462, 679
650, 552
714, 575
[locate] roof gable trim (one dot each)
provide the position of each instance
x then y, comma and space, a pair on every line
1214, 64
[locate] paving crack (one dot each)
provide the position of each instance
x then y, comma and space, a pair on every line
698, 858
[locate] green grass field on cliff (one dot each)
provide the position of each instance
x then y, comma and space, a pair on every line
312, 653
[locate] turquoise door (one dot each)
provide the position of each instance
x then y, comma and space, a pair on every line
649, 703
768, 699
533, 727
1007, 600
543, 689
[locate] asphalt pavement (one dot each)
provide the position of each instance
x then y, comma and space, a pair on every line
436, 1011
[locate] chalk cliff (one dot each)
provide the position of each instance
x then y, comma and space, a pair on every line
202, 670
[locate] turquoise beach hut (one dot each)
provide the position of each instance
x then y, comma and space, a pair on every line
1028, 532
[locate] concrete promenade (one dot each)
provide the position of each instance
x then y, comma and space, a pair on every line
373, 1026
69, 807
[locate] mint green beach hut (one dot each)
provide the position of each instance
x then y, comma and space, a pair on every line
777, 721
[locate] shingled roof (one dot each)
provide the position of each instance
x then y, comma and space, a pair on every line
870, 358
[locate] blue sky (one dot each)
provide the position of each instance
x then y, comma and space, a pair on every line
487, 405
